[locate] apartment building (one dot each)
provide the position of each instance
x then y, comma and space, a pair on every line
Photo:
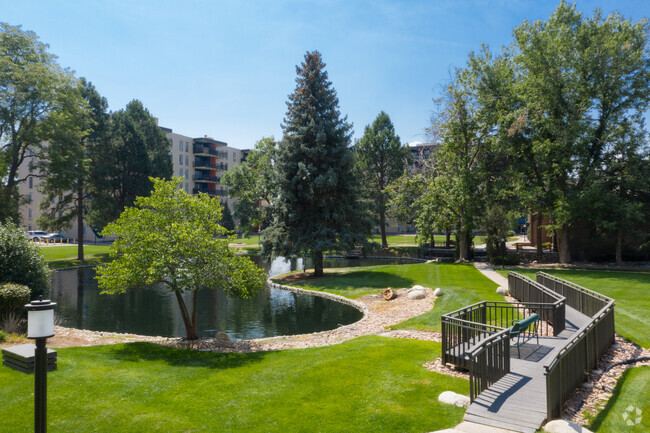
200, 162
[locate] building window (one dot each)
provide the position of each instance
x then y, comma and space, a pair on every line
31, 182
30, 213
180, 172
180, 145
187, 174
187, 187
171, 142
31, 197
187, 160
187, 146
233, 156
180, 159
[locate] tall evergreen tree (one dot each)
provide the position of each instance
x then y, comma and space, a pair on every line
317, 206
227, 222
381, 159
65, 165
135, 150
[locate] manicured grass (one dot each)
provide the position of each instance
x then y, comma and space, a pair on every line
631, 392
367, 384
461, 284
630, 290
66, 255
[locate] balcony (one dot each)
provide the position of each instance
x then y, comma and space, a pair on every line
202, 178
210, 192
204, 163
202, 150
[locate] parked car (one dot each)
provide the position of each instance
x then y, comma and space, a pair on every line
55, 238
36, 235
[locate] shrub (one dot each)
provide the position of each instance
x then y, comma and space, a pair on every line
3, 336
21, 261
511, 233
507, 260
13, 298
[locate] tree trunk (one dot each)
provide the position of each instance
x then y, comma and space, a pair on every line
382, 221
318, 263
563, 245
190, 328
619, 246
538, 235
80, 220
463, 245
447, 238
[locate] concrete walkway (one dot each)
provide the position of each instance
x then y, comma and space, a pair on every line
493, 275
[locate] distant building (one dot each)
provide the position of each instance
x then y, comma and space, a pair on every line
421, 151
200, 162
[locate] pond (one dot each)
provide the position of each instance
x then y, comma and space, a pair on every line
155, 311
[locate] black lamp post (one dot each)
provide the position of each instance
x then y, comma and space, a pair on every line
40, 327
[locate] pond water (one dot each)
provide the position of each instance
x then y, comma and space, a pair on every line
155, 311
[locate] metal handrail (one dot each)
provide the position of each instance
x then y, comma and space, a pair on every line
577, 287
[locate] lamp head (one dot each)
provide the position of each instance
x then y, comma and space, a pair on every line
40, 318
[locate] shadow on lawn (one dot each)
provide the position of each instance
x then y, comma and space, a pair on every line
136, 352
364, 279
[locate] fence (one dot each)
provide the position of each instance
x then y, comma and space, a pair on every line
569, 368
530, 291
489, 361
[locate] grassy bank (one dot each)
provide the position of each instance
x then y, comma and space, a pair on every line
461, 284
367, 384
630, 290
66, 255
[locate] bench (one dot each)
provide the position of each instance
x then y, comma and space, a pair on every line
523, 244
524, 331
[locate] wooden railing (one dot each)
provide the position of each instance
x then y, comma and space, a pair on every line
570, 367
489, 361
529, 291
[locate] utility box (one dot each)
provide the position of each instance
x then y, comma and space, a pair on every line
21, 358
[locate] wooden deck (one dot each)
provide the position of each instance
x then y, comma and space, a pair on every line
518, 400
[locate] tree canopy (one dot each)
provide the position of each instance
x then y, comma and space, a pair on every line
175, 239
317, 207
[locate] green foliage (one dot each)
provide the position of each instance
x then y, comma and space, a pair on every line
505, 260
226, 219
173, 238
495, 228
252, 183
34, 99
329, 389
317, 207
135, 150
380, 159
3, 336
13, 298
21, 261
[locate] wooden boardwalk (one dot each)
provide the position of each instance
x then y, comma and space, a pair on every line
518, 400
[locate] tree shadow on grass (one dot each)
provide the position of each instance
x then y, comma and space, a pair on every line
362, 279
136, 352
602, 415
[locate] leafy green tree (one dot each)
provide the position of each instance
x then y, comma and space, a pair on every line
32, 87
317, 206
252, 183
65, 166
21, 261
172, 238
381, 159
227, 222
135, 150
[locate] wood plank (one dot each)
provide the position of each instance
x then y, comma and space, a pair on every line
498, 423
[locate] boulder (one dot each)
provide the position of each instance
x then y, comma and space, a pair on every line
417, 287
450, 397
437, 292
222, 336
563, 426
502, 291
417, 294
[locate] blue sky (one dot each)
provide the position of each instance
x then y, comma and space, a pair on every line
225, 68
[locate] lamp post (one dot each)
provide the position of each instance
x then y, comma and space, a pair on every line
40, 327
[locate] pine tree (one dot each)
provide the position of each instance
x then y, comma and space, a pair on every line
227, 221
317, 206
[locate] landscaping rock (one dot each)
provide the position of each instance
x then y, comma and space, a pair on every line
222, 336
562, 426
450, 397
417, 287
502, 291
437, 292
417, 294
587, 385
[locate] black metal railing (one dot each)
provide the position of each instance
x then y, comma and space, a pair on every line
571, 365
489, 361
527, 290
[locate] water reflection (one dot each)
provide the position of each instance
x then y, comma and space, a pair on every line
154, 311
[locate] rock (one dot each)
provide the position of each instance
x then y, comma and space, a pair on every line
502, 291
222, 336
432, 261
587, 385
417, 294
417, 287
450, 397
437, 292
562, 426
597, 372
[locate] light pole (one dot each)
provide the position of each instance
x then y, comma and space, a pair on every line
40, 327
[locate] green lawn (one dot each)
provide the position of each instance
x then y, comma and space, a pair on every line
632, 392
630, 290
367, 384
66, 255
461, 284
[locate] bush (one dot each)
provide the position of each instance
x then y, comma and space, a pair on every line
511, 233
21, 261
3, 336
507, 260
13, 298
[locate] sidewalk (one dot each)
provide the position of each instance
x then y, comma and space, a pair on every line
493, 275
